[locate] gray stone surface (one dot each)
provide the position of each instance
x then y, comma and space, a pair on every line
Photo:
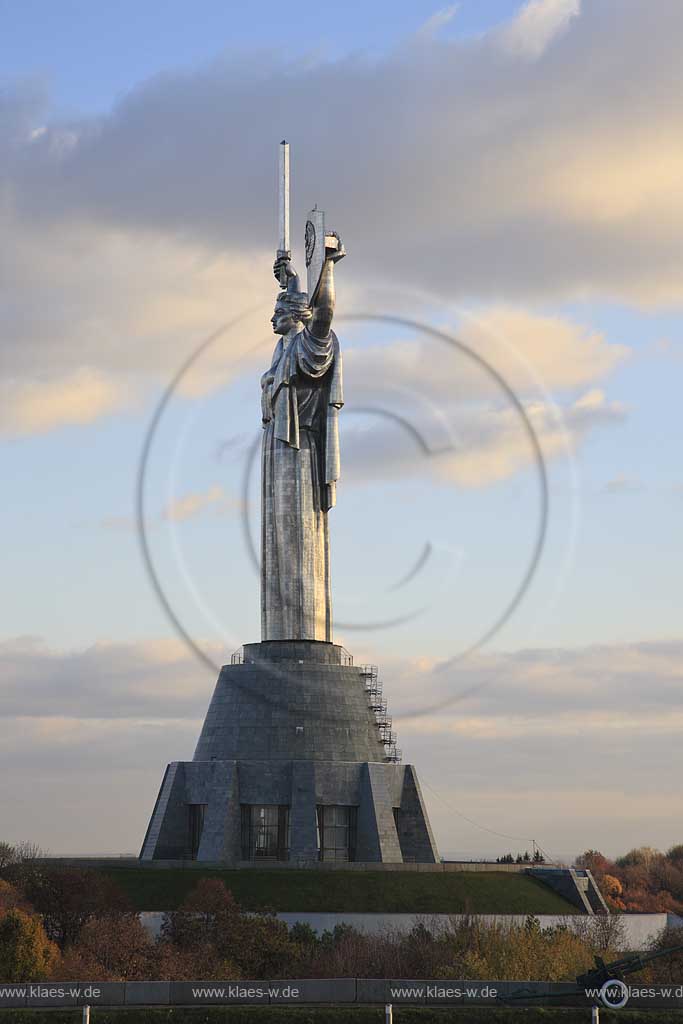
576, 885
221, 834
301, 785
291, 726
148, 993
307, 706
414, 831
302, 815
377, 835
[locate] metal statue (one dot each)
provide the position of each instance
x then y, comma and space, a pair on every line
300, 399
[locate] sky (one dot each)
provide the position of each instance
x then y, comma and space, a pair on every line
506, 544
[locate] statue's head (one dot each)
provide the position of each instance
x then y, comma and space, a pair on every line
291, 308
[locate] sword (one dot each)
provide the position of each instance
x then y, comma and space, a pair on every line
283, 209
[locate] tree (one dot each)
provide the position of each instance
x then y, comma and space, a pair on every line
8, 855
68, 897
613, 891
11, 898
209, 920
111, 949
594, 861
27, 851
26, 953
641, 856
669, 968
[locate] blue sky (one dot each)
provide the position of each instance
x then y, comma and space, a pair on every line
493, 173
89, 55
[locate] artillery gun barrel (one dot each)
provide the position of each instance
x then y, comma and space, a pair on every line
627, 965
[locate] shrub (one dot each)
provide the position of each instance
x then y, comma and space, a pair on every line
69, 897
26, 953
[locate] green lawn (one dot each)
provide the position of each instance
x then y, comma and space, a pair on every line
350, 891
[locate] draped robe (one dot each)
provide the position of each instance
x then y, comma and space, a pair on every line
301, 396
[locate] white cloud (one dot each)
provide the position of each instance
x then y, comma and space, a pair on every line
110, 717
486, 178
537, 24
623, 484
154, 679
471, 444
433, 25
188, 506
480, 173
35, 405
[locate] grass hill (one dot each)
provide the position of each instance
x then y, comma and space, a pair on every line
487, 892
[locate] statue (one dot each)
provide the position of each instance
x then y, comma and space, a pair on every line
297, 760
300, 399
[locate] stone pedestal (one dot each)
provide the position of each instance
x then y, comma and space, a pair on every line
292, 764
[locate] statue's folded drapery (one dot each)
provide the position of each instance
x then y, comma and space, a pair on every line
301, 396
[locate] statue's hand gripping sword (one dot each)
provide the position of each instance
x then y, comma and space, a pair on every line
284, 252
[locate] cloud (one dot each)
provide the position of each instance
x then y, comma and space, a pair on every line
155, 679
35, 405
118, 523
429, 408
187, 506
123, 303
537, 24
560, 353
128, 237
549, 691
108, 718
470, 444
531, 351
481, 173
433, 25
623, 484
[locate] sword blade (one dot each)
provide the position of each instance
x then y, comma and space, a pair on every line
283, 210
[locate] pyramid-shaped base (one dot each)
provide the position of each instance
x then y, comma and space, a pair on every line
219, 811
290, 766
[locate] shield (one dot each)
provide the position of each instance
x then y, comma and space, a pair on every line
319, 243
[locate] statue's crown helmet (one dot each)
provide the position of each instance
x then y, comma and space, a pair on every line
293, 296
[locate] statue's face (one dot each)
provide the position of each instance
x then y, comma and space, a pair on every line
282, 320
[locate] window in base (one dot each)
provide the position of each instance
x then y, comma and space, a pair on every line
265, 832
337, 826
196, 825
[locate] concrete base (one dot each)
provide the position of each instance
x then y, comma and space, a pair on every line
392, 824
290, 730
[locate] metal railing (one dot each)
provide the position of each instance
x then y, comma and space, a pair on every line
347, 657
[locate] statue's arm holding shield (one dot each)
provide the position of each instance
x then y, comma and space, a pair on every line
322, 306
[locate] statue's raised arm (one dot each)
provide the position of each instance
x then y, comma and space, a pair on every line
322, 304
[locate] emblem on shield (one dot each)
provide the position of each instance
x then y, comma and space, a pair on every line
309, 239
